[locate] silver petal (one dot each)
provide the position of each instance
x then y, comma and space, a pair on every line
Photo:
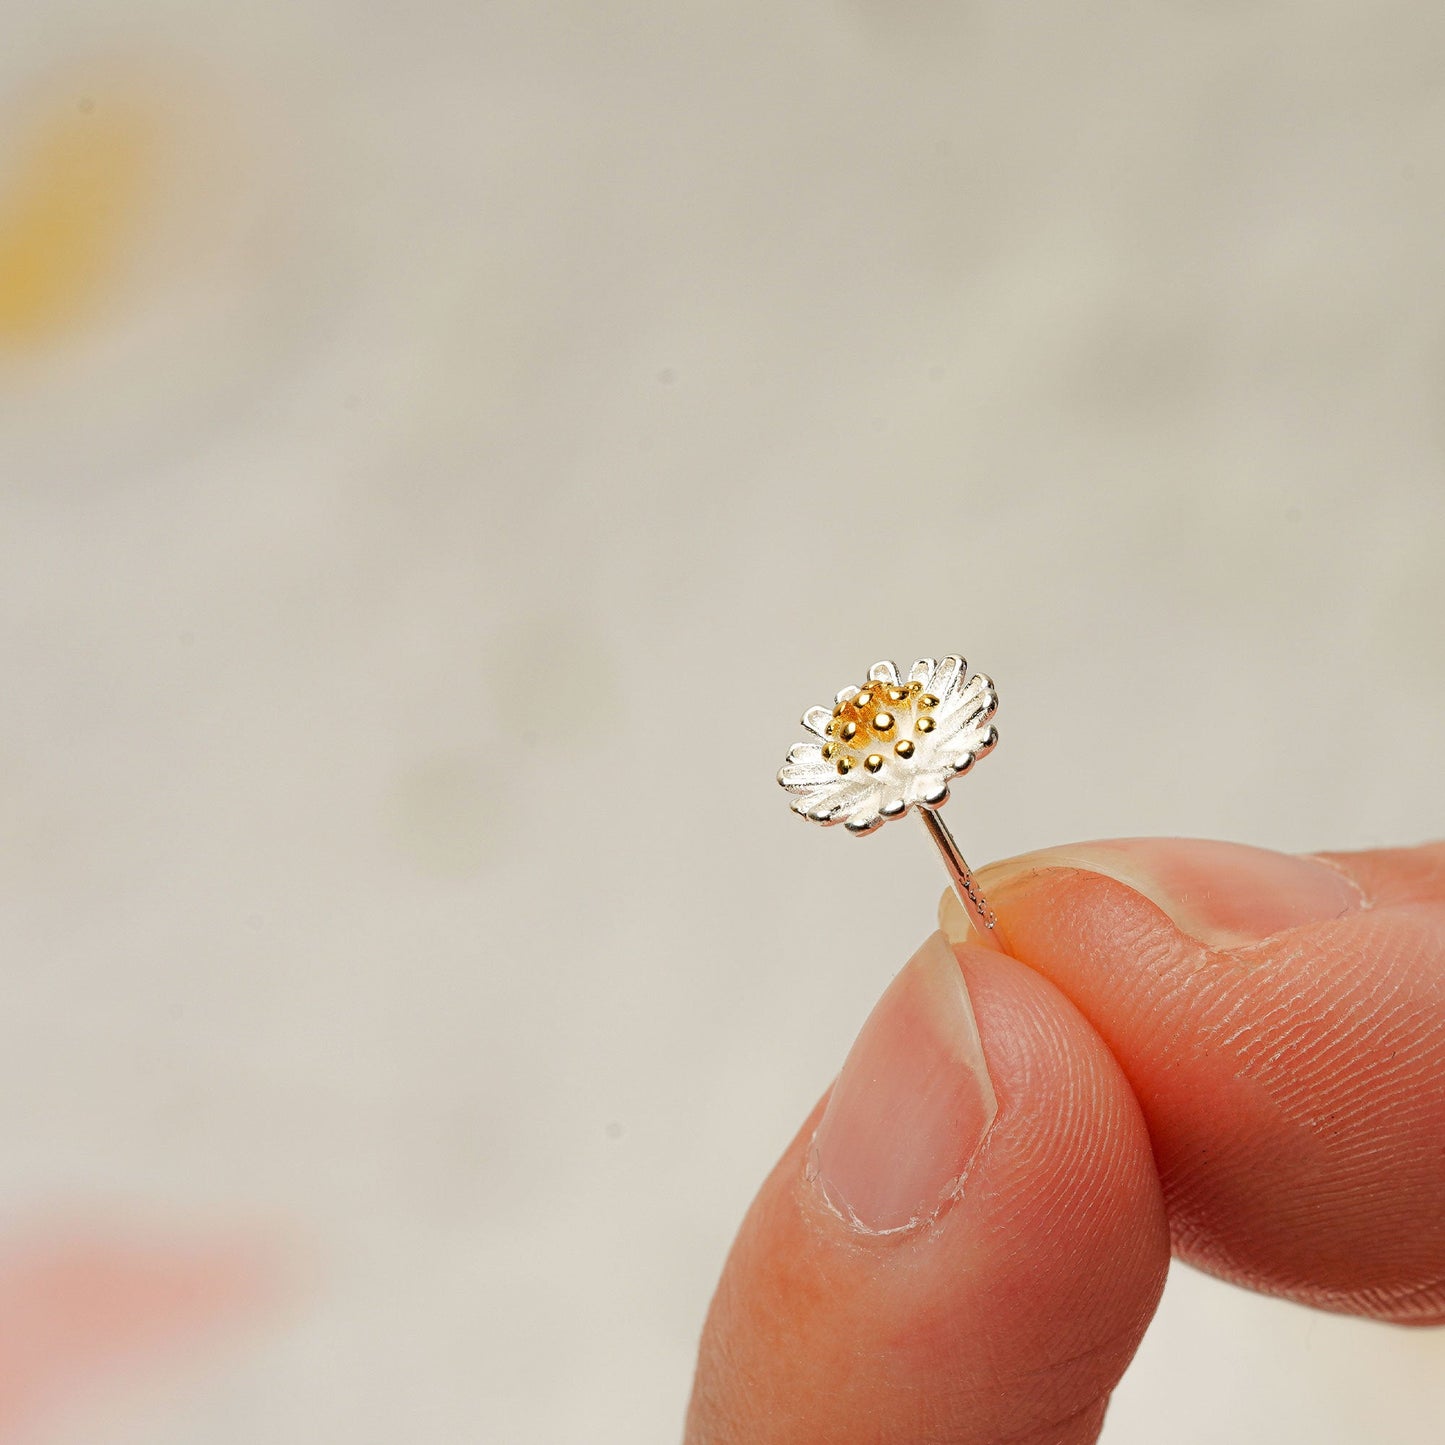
819, 801
841, 798
864, 816
948, 678
802, 777
979, 700
927, 789
816, 719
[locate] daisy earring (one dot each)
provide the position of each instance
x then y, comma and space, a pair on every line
892, 745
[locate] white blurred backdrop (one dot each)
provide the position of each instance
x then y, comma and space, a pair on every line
443, 448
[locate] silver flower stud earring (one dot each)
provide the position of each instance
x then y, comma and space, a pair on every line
892, 745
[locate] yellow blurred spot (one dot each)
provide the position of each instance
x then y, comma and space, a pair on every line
67, 211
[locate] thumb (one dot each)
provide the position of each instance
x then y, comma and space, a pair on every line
964, 1244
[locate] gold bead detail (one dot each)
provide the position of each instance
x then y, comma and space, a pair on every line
904, 748
896, 694
872, 762
850, 731
829, 749
845, 766
883, 723
925, 725
928, 700
864, 697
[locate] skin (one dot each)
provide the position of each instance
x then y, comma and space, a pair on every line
1194, 1046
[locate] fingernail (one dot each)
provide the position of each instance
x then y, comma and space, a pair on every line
953, 919
1221, 894
912, 1104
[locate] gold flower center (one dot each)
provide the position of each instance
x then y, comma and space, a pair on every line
878, 717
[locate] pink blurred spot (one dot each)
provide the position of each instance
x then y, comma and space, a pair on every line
81, 1309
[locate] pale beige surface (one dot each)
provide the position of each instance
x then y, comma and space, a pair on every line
487, 428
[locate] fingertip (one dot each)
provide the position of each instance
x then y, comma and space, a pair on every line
1395, 876
1289, 1070
1223, 895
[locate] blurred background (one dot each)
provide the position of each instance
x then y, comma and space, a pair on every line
443, 449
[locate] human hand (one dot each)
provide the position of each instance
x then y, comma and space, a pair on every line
1238, 1051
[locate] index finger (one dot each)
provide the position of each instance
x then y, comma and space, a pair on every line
1282, 1023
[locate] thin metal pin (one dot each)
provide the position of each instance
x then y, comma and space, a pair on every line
985, 924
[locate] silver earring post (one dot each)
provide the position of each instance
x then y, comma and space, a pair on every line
985, 924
